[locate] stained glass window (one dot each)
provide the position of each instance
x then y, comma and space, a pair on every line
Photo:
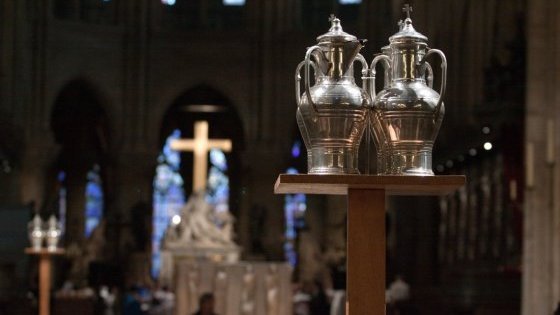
218, 181
295, 206
94, 200
168, 198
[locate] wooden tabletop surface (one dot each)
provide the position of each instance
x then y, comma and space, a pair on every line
44, 251
392, 184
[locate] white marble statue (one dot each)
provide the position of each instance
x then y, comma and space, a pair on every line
201, 225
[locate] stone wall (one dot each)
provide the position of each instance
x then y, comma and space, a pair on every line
541, 263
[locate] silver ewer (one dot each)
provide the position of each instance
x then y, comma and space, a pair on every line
332, 113
407, 114
35, 232
53, 233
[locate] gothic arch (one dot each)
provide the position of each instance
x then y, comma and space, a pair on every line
89, 94
221, 114
224, 122
171, 95
81, 128
181, 111
204, 103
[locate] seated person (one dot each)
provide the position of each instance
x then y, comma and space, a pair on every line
206, 305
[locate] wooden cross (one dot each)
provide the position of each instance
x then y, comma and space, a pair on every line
200, 146
407, 8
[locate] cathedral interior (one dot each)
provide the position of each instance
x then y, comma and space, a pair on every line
93, 92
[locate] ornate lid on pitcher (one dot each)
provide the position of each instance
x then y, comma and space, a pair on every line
335, 33
406, 32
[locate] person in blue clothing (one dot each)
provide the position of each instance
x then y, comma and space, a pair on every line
131, 302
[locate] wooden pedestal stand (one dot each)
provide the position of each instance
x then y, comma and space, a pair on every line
45, 265
366, 224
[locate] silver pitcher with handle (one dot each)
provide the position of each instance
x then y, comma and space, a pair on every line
407, 113
332, 114
36, 233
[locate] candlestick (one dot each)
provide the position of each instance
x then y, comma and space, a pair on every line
550, 152
529, 165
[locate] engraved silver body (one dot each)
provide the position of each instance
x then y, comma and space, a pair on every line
53, 233
407, 113
332, 113
35, 232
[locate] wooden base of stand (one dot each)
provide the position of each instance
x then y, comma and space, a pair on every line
366, 243
45, 266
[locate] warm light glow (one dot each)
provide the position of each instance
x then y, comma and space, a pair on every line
203, 108
488, 146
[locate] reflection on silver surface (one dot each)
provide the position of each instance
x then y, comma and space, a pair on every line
332, 113
407, 113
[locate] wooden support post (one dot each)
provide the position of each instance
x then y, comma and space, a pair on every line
366, 224
366, 251
45, 265
44, 284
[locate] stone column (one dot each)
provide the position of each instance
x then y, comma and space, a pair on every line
541, 248
130, 177
269, 129
267, 163
76, 180
37, 158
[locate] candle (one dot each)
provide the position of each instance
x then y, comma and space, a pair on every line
550, 156
529, 165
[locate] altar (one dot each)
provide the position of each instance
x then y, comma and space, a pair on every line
200, 256
242, 288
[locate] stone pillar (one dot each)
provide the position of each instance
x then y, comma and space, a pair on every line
36, 160
335, 228
266, 162
269, 129
76, 180
131, 178
541, 248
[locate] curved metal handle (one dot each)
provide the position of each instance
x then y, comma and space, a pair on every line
307, 81
443, 77
365, 72
429, 75
298, 79
386, 63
